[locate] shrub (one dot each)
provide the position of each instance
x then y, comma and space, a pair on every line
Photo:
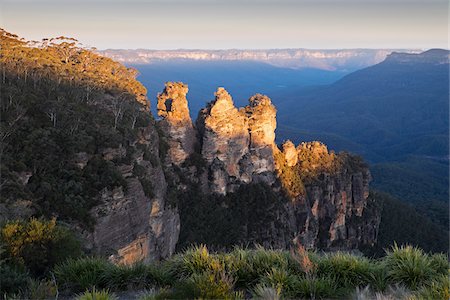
38, 244
349, 270
439, 288
409, 266
260, 262
41, 289
280, 280
83, 273
96, 295
264, 292
13, 279
439, 263
123, 277
209, 285
197, 260
160, 274
312, 288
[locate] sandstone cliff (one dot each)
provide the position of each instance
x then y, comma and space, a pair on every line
135, 224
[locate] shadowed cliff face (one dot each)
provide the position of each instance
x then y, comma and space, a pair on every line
328, 204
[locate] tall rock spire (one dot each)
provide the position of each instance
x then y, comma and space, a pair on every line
225, 139
176, 122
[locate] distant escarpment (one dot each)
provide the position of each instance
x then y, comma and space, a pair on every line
247, 190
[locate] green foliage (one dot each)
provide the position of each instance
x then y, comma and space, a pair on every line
13, 278
222, 222
38, 244
123, 277
209, 285
97, 295
439, 288
82, 274
280, 280
41, 289
349, 270
102, 174
311, 288
412, 267
268, 274
265, 292
59, 100
397, 220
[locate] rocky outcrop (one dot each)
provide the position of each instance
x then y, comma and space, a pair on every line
334, 211
176, 122
224, 141
328, 193
237, 144
135, 224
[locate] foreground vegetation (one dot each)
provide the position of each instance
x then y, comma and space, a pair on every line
405, 272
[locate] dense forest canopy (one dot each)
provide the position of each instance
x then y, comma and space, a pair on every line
60, 100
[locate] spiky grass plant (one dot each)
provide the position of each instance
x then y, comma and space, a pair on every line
82, 273
409, 266
94, 294
316, 288
122, 277
264, 292
259, 263
280, 280
349, 270
438, 289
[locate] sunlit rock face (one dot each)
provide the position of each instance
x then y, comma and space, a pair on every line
290, 153
225, 135
334, 212
176, 122
237, 144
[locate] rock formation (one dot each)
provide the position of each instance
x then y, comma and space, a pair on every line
237, 144
224, 139
328, 206
136, 224
176, 122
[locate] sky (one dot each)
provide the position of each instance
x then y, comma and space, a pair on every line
233, 24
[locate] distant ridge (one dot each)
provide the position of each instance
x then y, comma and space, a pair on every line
323, 59
432, 56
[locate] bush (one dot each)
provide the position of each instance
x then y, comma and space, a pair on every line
349, 270
438, 289
264, 292
211, 285
312, 288
410, 266
83, 273
38, 244
97, 295
41, 289
125, 277
281, 281
13, 279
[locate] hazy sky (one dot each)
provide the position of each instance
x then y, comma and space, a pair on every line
224, 24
